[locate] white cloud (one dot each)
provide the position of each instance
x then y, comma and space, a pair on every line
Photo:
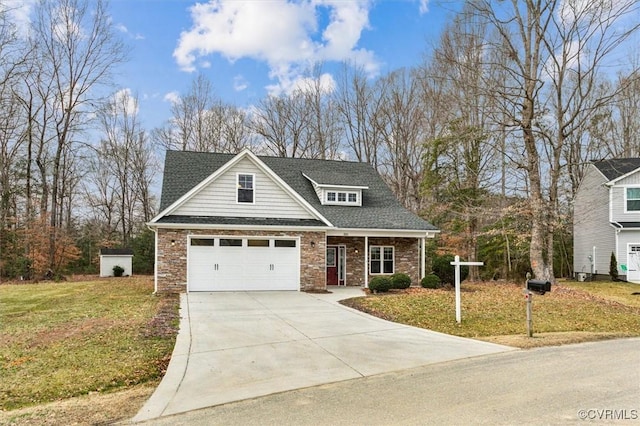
325, 82
123, 29
424, 6
172, 97
19, 12
285, 34
125, 101
240, 83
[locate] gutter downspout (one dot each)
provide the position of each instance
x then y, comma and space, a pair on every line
366, 263
423, 257
155, 259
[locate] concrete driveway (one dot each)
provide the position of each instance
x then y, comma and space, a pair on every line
240, 345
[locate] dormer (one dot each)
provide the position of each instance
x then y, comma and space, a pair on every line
334, 191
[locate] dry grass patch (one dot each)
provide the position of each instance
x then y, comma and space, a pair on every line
62, 340
496, 312
92, 409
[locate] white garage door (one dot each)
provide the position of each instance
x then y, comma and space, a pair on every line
240, 264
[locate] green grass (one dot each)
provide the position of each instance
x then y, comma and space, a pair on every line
491, 309
59, 340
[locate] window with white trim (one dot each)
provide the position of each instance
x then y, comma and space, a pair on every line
633, 199
381, 260
339, 197
245, 188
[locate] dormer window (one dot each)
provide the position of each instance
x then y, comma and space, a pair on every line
338, 197
245, 188
337, 190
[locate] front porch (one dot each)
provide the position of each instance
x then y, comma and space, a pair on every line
355, 260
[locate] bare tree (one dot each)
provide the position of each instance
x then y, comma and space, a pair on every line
202, 122
552, 51
359, 104
76, 50
12, 61
123, 168
283, 122
401, 123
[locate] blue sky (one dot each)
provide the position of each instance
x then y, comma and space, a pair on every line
251, 48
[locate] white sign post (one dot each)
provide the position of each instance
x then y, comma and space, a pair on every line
457, 264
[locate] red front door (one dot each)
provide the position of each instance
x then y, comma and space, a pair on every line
332, 265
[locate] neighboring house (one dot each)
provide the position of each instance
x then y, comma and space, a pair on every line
606, 219
246, 222
110, 257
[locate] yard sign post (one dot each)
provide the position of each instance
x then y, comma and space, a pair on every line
457, 264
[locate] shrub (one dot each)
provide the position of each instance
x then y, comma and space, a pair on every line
400, 281
430, 281
443, 268
380, 284
118, 271
613, 267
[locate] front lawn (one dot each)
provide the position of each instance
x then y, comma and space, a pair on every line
496, 312
61, 340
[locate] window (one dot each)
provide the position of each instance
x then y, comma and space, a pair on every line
245, 188
633, 199
257, 243
335, 197
202, 242
285, 243
230, 242
331, 257
381, 260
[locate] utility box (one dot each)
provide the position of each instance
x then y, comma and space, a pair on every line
538, 286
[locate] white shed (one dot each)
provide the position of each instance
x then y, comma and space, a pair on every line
110, 257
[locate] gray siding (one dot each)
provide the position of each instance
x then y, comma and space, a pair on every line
618, 199
218, 198
591, 225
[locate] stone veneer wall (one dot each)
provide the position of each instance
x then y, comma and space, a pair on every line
171, 263
406, 253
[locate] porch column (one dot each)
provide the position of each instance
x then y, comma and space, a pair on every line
366, 261
423, 257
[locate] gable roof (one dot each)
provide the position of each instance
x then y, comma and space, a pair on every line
380, 209
617, 168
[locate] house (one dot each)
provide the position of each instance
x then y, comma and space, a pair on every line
606, 219
245, 222
110, 257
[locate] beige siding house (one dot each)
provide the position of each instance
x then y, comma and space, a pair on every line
241, 222
607, 220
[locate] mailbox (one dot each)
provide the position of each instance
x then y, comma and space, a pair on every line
538, 286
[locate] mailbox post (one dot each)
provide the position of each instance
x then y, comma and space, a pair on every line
533, 286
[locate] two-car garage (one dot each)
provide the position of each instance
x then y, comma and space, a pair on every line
231, 263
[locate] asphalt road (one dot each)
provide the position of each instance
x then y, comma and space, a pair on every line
591, 383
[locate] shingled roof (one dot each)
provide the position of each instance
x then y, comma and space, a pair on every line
380, 209
615, 168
